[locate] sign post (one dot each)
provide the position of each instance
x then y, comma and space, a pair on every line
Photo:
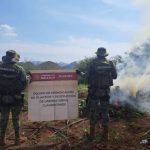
53, 95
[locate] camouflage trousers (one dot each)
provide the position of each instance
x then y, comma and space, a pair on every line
98, 108
5, 111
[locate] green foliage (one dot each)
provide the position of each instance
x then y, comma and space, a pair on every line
60, 136
84, 134
83, 66
25, 97
28, 66
125, 112
82, 108
82, 88
116, 137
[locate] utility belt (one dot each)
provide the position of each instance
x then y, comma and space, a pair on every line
98, 92
7, 100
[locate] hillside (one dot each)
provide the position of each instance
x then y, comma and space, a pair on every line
70, 66
48, 65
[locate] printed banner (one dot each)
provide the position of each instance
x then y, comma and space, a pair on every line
53, 95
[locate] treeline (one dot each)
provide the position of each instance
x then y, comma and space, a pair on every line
49, 65
82, 65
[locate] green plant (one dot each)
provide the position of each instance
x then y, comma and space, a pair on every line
116, 137
82, 108
59, 136
84, 135
82, 88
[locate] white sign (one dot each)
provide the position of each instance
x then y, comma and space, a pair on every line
53, 95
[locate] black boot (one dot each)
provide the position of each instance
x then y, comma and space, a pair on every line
92, 133
17, 138
105, 134
2, 139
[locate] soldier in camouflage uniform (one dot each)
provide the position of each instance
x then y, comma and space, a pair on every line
100, 77
11, 101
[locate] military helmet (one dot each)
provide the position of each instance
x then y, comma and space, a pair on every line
101, 51
11, 56
11, 53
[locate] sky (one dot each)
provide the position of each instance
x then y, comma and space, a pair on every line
71, 30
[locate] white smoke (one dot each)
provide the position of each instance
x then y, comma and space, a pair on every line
134, 78
134, 72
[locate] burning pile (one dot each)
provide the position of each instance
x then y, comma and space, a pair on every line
133, 83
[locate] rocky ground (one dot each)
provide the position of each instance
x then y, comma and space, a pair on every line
62, 135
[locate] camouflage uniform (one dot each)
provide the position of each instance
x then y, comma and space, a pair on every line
99, 91
9, 62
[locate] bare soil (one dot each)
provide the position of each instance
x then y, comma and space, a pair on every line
63, 135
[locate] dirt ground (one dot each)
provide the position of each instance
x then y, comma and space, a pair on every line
63, 135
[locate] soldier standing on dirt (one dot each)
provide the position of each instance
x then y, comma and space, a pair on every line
12, 82
101, 73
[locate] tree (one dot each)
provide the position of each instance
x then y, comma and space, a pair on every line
83, 67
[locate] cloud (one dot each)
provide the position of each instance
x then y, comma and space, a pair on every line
117, 3
110, 22
7, 30
68, 50
142, 3
102, 17
101, 20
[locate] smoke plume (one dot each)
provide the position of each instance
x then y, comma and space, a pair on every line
133, 83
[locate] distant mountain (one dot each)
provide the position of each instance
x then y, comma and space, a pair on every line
48, 65
62, 64
70, 66
37, 62
28, 66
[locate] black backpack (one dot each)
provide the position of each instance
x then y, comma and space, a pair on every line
102, 74
10, 82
